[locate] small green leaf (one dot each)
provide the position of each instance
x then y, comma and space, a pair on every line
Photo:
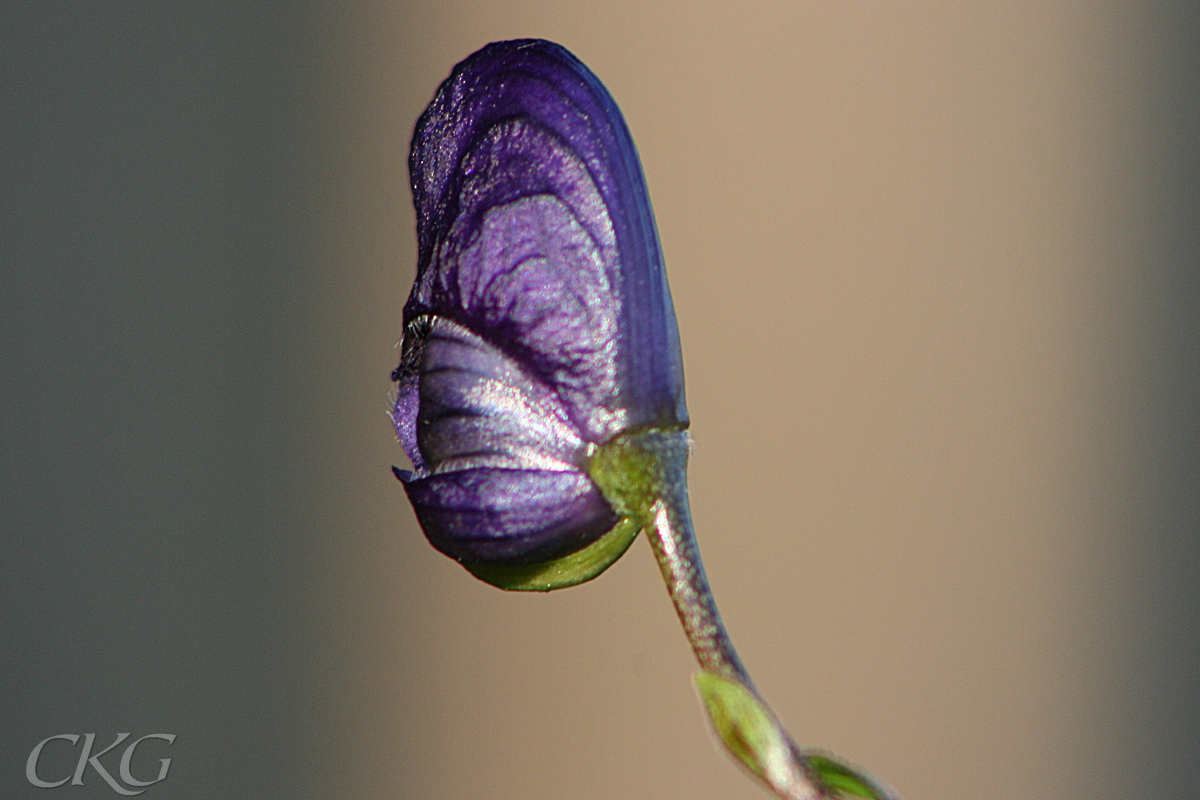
752, 734
846, 779
748, 730
570, 570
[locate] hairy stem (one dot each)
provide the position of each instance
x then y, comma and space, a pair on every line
745, 723
674, 545
667, 520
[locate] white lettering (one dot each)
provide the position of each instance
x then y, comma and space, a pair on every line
31, 764
86, 759
94, 762
127, 776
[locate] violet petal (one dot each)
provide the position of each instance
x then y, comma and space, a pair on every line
540, 325
509, 516
524, 155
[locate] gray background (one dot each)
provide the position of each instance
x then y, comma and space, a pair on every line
936, 275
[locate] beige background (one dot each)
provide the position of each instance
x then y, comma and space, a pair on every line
935, 268
911, 249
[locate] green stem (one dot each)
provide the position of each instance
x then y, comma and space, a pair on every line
747, 726
673, 541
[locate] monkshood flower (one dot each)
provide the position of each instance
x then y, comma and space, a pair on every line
540, 389
540, 326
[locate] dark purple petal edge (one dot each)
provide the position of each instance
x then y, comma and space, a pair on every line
508, 516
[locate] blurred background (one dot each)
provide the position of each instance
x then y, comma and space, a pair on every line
935, 267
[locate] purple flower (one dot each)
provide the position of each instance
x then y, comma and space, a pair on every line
540, 386
540, 326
